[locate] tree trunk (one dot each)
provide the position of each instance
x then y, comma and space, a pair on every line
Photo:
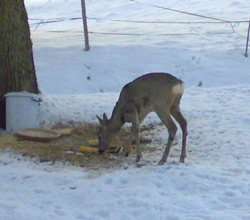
17, 70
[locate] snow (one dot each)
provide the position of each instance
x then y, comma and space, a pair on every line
214, 182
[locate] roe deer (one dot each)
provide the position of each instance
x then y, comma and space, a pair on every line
154, 92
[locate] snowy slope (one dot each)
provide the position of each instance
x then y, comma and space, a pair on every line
212, 53
214, 182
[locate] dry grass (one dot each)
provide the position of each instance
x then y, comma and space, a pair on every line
66, 148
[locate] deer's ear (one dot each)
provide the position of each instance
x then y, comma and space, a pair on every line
100, 120
105, 118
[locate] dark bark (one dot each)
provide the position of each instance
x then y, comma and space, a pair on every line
17, 70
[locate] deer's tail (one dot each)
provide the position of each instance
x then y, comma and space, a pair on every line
178, 88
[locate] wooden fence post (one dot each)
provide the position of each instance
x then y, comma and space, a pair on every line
246, 53
85, 26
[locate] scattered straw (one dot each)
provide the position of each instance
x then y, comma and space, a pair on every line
66, 148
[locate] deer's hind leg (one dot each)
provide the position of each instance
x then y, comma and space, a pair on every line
176, 113
169, 123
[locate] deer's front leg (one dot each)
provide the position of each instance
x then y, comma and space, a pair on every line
135, 133
138, 150
134, 137
131, 115
127, 148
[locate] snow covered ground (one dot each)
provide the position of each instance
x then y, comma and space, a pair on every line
214, 182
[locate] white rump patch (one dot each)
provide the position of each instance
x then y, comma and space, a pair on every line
178, 88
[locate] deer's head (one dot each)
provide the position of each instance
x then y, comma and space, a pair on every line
105, 134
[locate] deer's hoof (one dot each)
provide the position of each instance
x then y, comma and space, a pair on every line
161, 162
138, 158
182, 159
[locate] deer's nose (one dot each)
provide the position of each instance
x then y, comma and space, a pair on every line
101, 151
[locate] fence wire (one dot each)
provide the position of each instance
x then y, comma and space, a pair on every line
55, 20
182, 12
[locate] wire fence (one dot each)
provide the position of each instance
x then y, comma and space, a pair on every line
233, 24
36, 22
57, 20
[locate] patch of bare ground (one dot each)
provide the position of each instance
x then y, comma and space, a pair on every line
66, 148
